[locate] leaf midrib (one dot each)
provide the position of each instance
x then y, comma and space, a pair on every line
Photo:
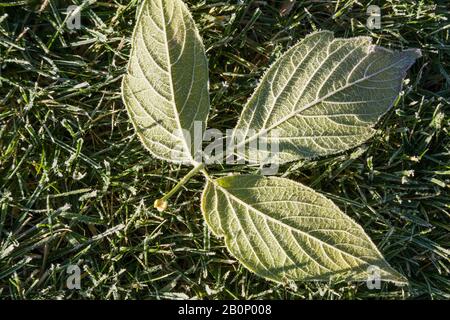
292, 229
172, 90
313, 103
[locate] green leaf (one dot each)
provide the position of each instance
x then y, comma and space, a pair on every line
323, 96
284, 231
166, 87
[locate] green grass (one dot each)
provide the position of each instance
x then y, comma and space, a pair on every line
77, 187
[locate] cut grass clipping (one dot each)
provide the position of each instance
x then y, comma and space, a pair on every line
77, 187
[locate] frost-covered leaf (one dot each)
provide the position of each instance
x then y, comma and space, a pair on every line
284, 231
166, 87
323, 96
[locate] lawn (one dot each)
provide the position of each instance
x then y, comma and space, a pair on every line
77, 187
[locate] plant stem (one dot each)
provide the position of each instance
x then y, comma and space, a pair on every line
161, 203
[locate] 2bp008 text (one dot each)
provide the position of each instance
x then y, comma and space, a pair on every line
246, 309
